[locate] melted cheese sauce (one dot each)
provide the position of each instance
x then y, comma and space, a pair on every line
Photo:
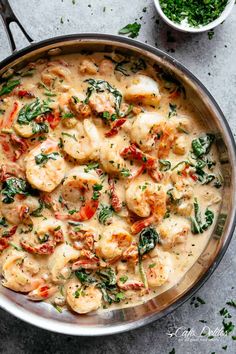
95, 151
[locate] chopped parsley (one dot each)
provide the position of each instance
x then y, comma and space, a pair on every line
91, 166
123, 279
125, 172
196, 12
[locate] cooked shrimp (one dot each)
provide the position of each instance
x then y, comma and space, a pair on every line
19, 272
83, 300
83, 142
147, 161
19, 211
79, 108
58, 263
106, 67
110, 157
78, 189
45, 167
145, 130
102, 102
53, 71
87, 260
143, 89
88, 66
45, 237
128, 277
173, 231
113, 242
158, 268
43, 292
146, 200
9, 169
82, 237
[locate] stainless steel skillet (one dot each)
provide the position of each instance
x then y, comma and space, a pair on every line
45, 316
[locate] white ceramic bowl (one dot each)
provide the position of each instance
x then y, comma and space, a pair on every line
184, 27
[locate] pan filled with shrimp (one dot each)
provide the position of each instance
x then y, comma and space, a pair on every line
110, 182
113, 189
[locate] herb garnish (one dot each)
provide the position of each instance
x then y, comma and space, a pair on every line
201, 146
148, 239
196, 12
91, 166
165, 165
42, 159
105, 214
101, 86
125, 172
32, 110
9, 86
132, 29
13, 186
172, 110
197, 226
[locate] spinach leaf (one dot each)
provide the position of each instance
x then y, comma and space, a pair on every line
105, 214
197, 226
38, 212
9, 86
148, 239
101, 86
203, 177
32, 110
85, 276
3, 222
107, 276
201, 146
172, 110
42, 159
13, 186
108, 286
165, 165
38, 128
132, 29
128, 65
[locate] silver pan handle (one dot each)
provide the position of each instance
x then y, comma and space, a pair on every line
8, 17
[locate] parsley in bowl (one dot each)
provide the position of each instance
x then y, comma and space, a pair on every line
194, 15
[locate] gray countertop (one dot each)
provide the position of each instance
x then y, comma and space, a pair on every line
213, 62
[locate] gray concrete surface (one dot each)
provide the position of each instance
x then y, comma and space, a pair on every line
212, 61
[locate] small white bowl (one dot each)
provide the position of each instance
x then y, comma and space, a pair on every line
185, 27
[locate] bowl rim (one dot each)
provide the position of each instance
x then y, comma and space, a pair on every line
225, 13
66, 328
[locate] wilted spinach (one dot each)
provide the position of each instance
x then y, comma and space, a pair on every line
197, 225
9, 86
105, 214
38, 212
32, 110
108, 286
13, 186
165, 165
42, 159
101, 86
148, 239
85, 277
201, 146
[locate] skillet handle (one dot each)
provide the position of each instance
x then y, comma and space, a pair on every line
8, 17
